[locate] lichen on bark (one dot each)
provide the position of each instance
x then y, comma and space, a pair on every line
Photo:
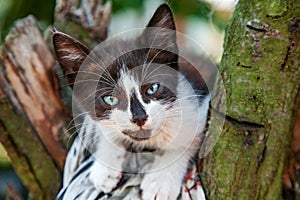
30, 160
261, 75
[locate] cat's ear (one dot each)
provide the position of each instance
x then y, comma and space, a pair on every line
70, 54
160, 35
162, 18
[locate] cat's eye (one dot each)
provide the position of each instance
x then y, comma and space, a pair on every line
152, 89
110, 100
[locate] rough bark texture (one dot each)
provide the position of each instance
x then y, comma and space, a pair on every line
86, 20
32, 114
261, 74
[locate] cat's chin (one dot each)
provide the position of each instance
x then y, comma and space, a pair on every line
139, 135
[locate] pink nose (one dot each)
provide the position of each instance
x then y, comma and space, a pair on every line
139, 120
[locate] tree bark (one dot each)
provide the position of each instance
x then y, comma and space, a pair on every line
261, 74
32, 114
85, 20
32, 111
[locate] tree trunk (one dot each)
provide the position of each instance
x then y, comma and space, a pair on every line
32, 114
261, 74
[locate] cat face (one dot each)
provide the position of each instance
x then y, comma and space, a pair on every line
136, 107
139, 95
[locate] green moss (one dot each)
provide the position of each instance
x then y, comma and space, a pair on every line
76, 31
252, 74
28, 156
260, 71
234, 173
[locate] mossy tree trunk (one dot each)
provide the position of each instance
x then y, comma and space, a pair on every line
260, 69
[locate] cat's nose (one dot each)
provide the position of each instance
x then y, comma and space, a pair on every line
139, 120
139, 115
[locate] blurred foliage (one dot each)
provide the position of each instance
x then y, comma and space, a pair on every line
118, 5
11, 10
196, 8
4, 160
191, 7
9, 176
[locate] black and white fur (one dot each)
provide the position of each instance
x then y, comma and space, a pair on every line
142, 127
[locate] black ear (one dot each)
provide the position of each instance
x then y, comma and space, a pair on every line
160, 36
70, 54
162, 18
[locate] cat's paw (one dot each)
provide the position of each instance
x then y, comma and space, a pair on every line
104, 178
160, 187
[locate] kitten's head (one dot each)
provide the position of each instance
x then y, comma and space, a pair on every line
137, 93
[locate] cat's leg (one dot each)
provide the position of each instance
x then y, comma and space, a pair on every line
166, 178
106, 171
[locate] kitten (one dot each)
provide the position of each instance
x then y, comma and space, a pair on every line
150, 108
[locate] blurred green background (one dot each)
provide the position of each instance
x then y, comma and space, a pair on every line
11, 10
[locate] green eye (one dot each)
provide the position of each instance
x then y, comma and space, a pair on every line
153, 89
111, 100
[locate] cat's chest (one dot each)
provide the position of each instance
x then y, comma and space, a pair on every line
138, 162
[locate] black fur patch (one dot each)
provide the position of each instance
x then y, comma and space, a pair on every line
139, 115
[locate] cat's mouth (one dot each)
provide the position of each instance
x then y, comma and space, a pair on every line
142, 134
